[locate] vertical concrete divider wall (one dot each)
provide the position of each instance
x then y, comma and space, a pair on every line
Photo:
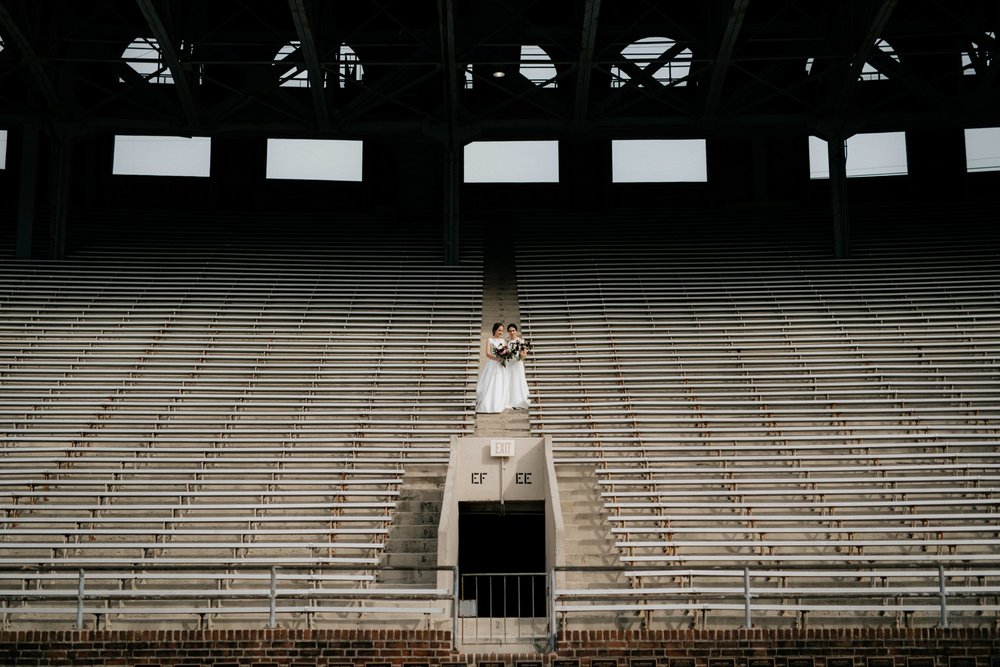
555, 550
475, 474
447, 544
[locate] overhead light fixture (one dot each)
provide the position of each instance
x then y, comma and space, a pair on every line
499, 74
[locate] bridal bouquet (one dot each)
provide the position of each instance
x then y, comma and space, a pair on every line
518, 346
504, 353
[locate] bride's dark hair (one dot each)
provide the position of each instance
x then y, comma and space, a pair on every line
496, 325
514, 325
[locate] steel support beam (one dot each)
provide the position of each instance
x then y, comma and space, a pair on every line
17, 38
307, 43
452, 148
585, 62
725, 53
861, 55
450, 66
385, 89
913, 81
169, 53
987, 80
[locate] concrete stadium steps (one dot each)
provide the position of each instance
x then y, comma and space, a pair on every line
591, 557
588, 542
746, 403
412, 542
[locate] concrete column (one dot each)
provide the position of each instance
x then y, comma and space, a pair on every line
28, 189
62, 170
453, 176
837, 156
759, 148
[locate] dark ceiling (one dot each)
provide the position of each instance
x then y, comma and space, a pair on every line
62, 66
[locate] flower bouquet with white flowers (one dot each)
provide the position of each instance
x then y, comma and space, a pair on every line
504, 353
518, 346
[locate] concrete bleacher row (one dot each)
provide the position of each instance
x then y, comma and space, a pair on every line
745, 403
255, 406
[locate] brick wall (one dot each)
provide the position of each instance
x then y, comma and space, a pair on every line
960, 647
789, 648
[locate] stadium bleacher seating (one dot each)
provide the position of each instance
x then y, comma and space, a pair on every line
209, 429
749, 402
251, 407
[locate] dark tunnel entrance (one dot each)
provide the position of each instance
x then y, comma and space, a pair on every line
501, 559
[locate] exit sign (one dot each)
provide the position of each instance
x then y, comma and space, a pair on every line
502, 448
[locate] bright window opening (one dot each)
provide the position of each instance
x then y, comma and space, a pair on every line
295, 76
877, 154
660, 57
537, 67
982, 149
349, 67
314, 159
659, 161
819, 164
3, 149
869, 72
512, 162
145, 57
162, 156
468, 77
979, 56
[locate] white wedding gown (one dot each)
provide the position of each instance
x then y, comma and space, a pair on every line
518, 397
493, 388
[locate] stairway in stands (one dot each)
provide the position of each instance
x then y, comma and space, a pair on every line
500, 304
412, 543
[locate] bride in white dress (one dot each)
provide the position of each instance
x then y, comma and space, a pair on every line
518, 398
493, 388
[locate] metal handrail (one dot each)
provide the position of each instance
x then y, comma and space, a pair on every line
270, 595
929, 586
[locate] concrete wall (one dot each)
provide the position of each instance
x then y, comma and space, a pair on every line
474, 475
483, 477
